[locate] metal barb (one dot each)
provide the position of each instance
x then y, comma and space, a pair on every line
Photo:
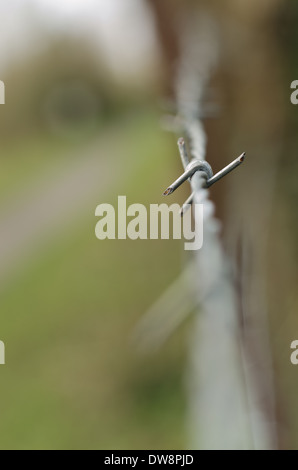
200, 165
192, 167
225, 170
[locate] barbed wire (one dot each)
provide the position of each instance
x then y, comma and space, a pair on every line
224, 412
223, 407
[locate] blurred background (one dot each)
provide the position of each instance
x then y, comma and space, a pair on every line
87, 83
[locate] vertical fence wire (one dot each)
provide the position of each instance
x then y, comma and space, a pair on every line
223, 409
224, 406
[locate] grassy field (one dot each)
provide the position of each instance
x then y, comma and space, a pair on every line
73, 377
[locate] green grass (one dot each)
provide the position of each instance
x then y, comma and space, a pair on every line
73, 378
23, 161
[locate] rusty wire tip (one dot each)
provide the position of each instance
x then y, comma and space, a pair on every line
242, 157
168, 191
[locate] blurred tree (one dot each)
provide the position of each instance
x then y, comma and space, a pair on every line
62, 88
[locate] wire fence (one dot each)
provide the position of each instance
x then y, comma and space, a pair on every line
225, 411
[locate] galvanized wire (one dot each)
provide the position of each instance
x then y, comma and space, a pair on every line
223, 409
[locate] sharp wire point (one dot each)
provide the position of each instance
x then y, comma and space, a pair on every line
227, 169
168, 191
